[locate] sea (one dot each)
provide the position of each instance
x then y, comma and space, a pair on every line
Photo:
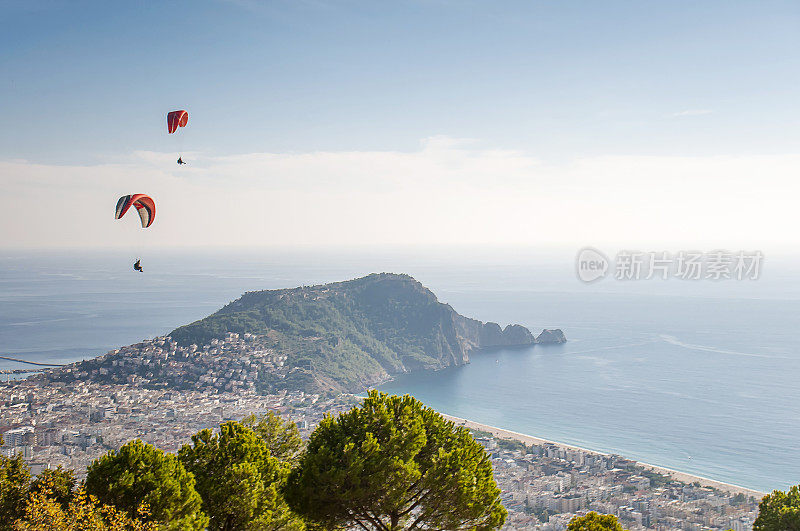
699, 376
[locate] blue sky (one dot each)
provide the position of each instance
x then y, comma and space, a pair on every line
557, 78
88, 83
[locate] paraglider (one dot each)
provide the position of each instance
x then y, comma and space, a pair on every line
146, 208
176, 119
144, 205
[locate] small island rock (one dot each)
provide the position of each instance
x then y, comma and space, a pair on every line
552, 336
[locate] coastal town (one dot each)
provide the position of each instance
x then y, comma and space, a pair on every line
421, 265
73, 415
546, 485
231, 364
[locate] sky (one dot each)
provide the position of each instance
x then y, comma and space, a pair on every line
426, 122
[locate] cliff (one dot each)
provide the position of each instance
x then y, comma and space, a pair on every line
352, 334
551, 336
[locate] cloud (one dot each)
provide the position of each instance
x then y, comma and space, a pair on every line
693, 112
449, 191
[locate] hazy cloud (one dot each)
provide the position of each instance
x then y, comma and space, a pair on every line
447, 191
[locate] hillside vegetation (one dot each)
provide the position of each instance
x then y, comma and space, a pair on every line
350, 334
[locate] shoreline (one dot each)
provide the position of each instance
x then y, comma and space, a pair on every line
677, 475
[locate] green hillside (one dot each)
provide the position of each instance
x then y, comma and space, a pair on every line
347, 335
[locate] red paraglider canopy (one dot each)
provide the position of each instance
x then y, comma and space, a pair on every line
176, 119
144, 205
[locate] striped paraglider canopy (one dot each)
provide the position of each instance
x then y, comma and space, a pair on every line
144, 205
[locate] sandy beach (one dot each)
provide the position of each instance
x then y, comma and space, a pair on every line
675, 474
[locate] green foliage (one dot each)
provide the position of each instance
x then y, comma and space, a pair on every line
340, 335
739, 499
512, 445
59, 483
14, 479
83, 513
480, 433
542, 514
656, 480
142, 474
239, 480
281, 436
392, 464
595, 522
779, 511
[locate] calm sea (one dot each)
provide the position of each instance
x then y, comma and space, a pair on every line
703, 377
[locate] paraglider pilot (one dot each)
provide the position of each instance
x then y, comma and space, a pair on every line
180, 160
137, 266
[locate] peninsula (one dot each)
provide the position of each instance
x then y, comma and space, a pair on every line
291, 352
343, 336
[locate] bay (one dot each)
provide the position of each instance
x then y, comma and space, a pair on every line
696, 376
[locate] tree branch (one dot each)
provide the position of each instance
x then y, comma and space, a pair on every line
422, 496
374, 520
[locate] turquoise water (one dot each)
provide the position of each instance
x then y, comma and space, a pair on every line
686, 384
701, 377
